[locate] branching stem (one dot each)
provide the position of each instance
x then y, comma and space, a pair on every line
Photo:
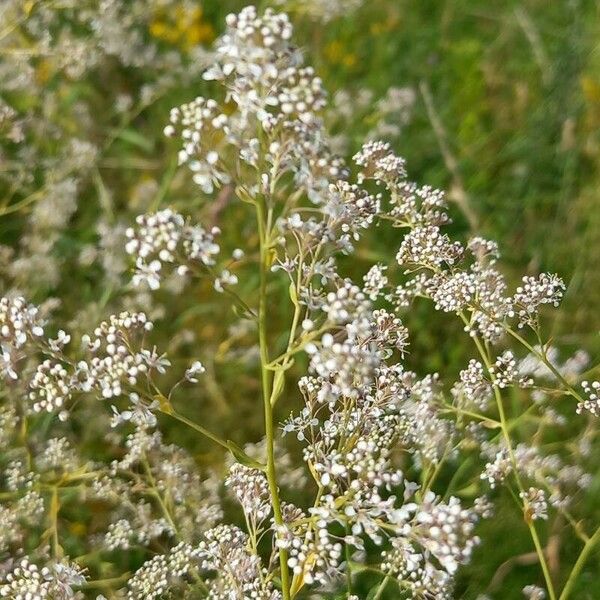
267, 391
506, 434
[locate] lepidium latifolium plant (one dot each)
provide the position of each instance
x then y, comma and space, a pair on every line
379, 481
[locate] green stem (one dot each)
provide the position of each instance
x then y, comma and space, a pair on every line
157, 495
506, 434
169, 410
381, 588
266, 393
585, 553
279, 377
104, 583
22, 203
296, 348
471, 414
54, 510
348, 555
542, 357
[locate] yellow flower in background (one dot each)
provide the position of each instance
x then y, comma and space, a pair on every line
183, 27
591, 89
43, 71
389, 24
78, 528
334, 51
337, 54
349, 60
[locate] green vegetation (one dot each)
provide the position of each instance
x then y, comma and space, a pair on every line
502, 110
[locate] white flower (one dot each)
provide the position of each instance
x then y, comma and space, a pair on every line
147, 273
196, 368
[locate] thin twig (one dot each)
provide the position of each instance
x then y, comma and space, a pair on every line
458, 193
533, 37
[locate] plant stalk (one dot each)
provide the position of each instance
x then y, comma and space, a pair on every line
266, 393
506, 434
583, 556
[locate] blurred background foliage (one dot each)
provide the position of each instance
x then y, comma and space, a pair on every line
505, 115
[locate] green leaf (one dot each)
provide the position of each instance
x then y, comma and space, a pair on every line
242, 312
243, 458
470, 491
278, 384
133, 137
293, 295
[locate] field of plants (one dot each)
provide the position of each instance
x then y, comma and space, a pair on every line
299, 300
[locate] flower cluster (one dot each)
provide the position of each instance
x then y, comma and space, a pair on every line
160, 574
498, 469
262, 74
536, 506
224, 554
534, 592
164, 237
535, 291
202, 129
56, 581
429, 247
250, 489
592, 401
473, 387
19, 324
379, 162
505, 372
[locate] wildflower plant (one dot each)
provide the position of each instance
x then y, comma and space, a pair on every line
368, 439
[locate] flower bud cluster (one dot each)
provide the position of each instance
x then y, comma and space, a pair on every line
346, 364
51, 386
422, 428
314, 554
351, 208
160, 574
250, 488
115, 364
446, 530
380, 163
375, 281
225, 553
58, 455
473, 389
28, 581
165, 237
498, 469
534, 592
505, 372
204, 129
592, 402
418, 205
404, 562
19, 324
535, 503
347, 303
535, 291
452, 293
427, 246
